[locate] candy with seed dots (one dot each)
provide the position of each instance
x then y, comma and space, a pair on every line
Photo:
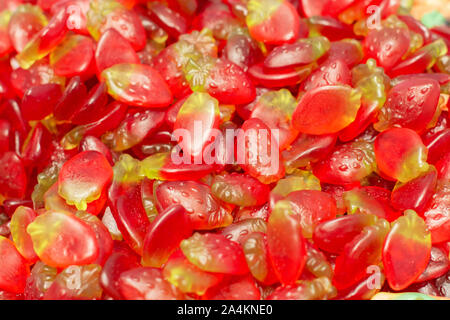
158, 246
76, 283
14, 269
422, 60
83, 178
196, 123
275, 109
258, 151
333, 235
416, 193
406, 250
287, 249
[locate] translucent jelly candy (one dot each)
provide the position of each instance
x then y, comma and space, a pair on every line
317, 263
204, 210
287, 248
423, 59
439, 264
5, 44
347, 164
54, 233
214, 253
146, 284
40, 279
362, 251
333, 235
273, 21
73, 56
239, 189
20, 220
332, 72
279, 78
410, 104
307, 149
157, 245
304, 51
348, 51
258, 153
14, 268
437, 213
406, 251
400, 154
83, 178
13, 179
297, 180
239, 230
416, 193
317, 289
44, 41
229, 84
25, 22
121, 260
313, 114
187, 277
133, 129
45, 96
125, 200
239, 288
200, 112
76, 283
311, 207
370, 200
275, 109
111, 14
39, 73
327, 26
110, 44
257, 256
104, 240
138, 85
387, 45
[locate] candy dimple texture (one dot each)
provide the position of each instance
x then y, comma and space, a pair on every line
225, 150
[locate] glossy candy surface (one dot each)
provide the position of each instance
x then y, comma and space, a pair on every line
223, 150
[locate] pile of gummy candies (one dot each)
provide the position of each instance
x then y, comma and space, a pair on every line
94, 206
